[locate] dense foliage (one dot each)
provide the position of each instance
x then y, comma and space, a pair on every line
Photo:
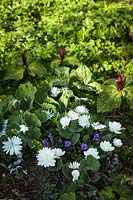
62, 64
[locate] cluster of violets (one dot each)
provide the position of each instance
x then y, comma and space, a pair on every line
48, 155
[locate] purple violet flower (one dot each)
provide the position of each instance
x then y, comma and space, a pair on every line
67, 143
84, 147
45, 143
51, 139
110, 165
60, 141
51, 196
96, 137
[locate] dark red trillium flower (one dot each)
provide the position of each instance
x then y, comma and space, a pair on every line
119, 78
62, 53
119, 83
24, 60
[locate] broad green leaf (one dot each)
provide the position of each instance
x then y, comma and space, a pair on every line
5, 101
35, 68
31, 119
65, 133
82, 73
111, 81
109, 99
129, 95
67, 171
97, 87
72, 61
62, 72
68, 196
90, 163
26, 92
66, 94
14, 73
129, 81
75, 138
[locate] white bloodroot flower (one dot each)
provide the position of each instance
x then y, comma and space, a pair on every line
117, 142
46, 157
74, 165
81, 110
73, 115
106, 146
65, 121
84, 121
55, 91
12, 146
23, 128
58, 152
75, 174
93, 152
115, 127
97, 126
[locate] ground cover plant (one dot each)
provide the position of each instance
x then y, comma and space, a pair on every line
66, 99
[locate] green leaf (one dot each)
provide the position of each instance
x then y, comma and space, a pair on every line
90, 163
72, 61
13, 73
66, 94
109, 99
67, 171
35, 68
95, 87
68, 196
82, 73
5, 102
26, 93
31, 119
129, 95
75, 138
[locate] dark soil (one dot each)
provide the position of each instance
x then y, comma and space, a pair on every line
22, 186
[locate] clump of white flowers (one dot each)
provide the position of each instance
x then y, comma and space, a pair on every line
65, 121
47, 157
73, 115
55, 91
106, 146
80, 113
93, 152
12, 146
98, 126
81, 110
58, 152
84, 121
115, 127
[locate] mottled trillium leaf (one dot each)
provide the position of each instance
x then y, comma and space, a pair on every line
129, 95
66, 94
72, 61
82, 73
13, 73
109, 99
35, 68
